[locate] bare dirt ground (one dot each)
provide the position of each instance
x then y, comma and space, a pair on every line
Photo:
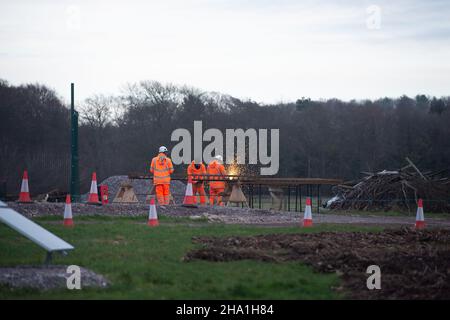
229, 215
47, 277
414, 264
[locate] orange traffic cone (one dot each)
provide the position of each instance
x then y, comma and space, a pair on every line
420, 218
68, 221
93, 193
24, 196
307, 218
189, 198
152, 215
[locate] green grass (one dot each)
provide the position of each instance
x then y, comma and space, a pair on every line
146, 263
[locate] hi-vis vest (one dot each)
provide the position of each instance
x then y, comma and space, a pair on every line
215, 168
162, 168
196, 174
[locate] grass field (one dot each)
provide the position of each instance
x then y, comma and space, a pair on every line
146, 263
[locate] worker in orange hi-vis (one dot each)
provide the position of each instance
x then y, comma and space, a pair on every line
197, 171
216, 188
161, 168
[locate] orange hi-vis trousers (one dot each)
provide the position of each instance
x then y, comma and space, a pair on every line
200, 189
214, 196
163, 193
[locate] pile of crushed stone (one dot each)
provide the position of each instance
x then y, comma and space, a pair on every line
141, 187
414, 264
47, 277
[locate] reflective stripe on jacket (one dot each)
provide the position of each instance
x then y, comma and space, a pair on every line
215, 168
162, 168
196, 174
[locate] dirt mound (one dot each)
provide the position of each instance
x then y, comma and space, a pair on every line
414, 264
47, 277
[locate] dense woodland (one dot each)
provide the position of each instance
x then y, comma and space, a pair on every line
120, 134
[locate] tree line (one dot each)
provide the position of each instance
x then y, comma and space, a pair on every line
120, 134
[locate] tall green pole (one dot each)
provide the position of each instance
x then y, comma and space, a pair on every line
74, 172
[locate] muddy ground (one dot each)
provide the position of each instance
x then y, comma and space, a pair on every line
414, 264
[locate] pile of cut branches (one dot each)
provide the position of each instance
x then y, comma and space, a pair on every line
395, 190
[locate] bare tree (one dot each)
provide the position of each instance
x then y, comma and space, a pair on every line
99, 111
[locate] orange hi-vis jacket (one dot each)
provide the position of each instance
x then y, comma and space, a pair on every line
196, 174
162, 168
216, 168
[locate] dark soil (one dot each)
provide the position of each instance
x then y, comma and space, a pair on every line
414, 264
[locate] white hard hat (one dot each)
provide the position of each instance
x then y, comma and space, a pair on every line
219, 157
162, 149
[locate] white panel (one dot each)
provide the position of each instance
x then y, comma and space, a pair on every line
31, 230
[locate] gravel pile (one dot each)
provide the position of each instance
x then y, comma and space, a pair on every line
47, 277
141, 187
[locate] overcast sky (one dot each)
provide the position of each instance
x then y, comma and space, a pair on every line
268, 51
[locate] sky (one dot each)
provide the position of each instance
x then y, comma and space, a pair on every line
266, 51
